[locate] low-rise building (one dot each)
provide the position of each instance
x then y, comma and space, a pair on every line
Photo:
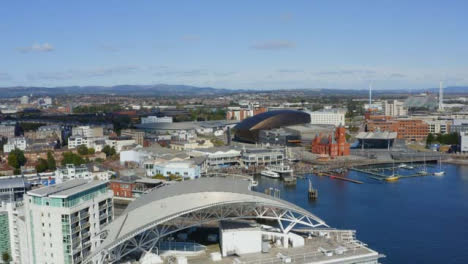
120, 142
278, 137
191, 144
15, 143
218, 156
88, 131
185, 168
13, 189
262, 156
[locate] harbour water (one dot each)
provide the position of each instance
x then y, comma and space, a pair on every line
412, 220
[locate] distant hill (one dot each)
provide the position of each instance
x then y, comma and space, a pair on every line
187, 90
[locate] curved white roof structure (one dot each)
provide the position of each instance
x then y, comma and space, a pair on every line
191, 203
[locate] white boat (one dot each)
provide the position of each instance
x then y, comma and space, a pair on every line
253, 183
440, 172
281, 169
269, 173
402, 165
424, 170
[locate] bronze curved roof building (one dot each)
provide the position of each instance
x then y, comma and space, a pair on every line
248, 130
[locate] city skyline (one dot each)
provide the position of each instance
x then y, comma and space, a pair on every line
261, 45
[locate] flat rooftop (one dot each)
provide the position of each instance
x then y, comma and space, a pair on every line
66, 189
311, 252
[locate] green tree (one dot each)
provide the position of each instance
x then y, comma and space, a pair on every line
51, 163
72, 158
430, 139
6, 257
82, 150
16, 158
42, 165
110, 151
91, 151
159, 176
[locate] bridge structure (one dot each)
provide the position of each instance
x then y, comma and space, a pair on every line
187, 204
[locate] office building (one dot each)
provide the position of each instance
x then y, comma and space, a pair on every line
64, 220
13, 189
138, 136
334, 117
395, 108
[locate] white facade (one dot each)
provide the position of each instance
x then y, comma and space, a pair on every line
15, 143
89, 142
336, 118
70, 172
88, 131
7, 131
155, 119
63, 221
464, 141
17, 231
438, 126
118, 144
240, 240
395, 108
185, 169
24, 99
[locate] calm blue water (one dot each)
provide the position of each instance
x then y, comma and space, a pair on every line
417, 220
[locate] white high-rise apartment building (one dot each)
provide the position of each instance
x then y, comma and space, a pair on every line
395, 108
64, 220
334, 117
464, 142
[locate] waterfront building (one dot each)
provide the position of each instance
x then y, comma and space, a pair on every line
15, 143
333, 145
262, 156
464, 142
395, 108
130, 187
377, 140
334, 117
406, 128
64, 220
218, 156
155, 119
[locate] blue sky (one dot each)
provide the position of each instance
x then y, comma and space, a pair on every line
235, 44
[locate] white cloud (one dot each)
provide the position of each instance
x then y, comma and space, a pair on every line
45, 47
